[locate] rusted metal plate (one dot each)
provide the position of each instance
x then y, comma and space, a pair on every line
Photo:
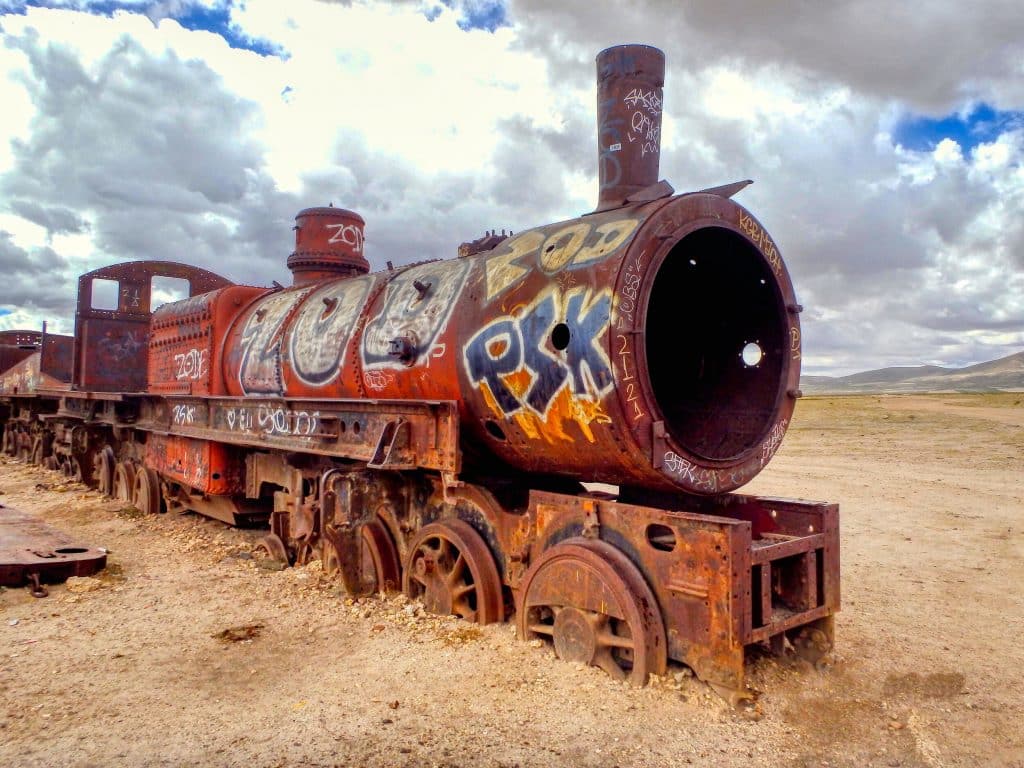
112, 344
15, 346
185, 341
29, 546
207, 466
385, 435
725, 573
57, 357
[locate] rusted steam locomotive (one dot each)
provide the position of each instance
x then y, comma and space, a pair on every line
431, 427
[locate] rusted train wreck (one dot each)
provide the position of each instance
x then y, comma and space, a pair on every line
431, 427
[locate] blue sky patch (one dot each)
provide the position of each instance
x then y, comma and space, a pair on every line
218, 21
476, 14
192, 16
982, 124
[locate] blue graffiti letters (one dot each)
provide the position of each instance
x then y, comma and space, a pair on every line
586, 321
493, 353
548, 346
549, 372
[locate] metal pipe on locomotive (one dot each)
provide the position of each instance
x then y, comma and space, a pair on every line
429, 427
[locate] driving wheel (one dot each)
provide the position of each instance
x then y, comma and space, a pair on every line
451, 569
591, 602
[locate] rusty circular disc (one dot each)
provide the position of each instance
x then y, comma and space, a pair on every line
451, 569
123, 481
146, 496
381, 567
589, 599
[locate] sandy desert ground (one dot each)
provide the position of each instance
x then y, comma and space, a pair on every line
134, 668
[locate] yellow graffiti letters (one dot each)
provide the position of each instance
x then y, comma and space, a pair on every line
762, 240
560, 248
570, 247
503, 270
613, 234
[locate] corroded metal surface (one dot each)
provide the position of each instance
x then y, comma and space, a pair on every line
328, 243
28, 546
725, 573
451, 569
590, 600
112, 344
629, 90
429, 425
15, 346
609, 348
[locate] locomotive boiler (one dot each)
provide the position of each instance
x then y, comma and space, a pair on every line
431, 427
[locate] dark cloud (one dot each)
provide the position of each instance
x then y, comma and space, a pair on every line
934, 57
155, 150
57, 220
34, 278
898, 257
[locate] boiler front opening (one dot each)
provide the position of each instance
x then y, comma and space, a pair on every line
716, 344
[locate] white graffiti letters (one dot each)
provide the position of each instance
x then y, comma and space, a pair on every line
690, 473
191, 365
184, 414
645, 123
322, 329
773, 441
273, 420
347, 234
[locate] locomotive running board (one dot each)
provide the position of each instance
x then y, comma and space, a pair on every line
32, 552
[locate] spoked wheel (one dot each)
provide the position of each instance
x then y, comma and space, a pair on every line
147, 498
105, 462
589, 599
124, 482
450, 567
381, 570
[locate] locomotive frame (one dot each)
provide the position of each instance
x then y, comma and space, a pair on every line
253, 406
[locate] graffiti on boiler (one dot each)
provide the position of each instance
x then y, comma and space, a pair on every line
545, 364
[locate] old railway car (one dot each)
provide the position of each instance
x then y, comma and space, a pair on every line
436, 427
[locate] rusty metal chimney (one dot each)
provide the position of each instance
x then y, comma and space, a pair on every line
629, 83
328, 244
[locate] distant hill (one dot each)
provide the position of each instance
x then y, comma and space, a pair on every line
1004, 373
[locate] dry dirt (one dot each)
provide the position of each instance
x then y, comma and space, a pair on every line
186, 652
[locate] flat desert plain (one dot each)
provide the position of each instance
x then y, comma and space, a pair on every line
186, 651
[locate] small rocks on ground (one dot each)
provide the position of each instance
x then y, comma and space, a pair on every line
80, 584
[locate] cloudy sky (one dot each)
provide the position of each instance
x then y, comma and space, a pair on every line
886, 142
